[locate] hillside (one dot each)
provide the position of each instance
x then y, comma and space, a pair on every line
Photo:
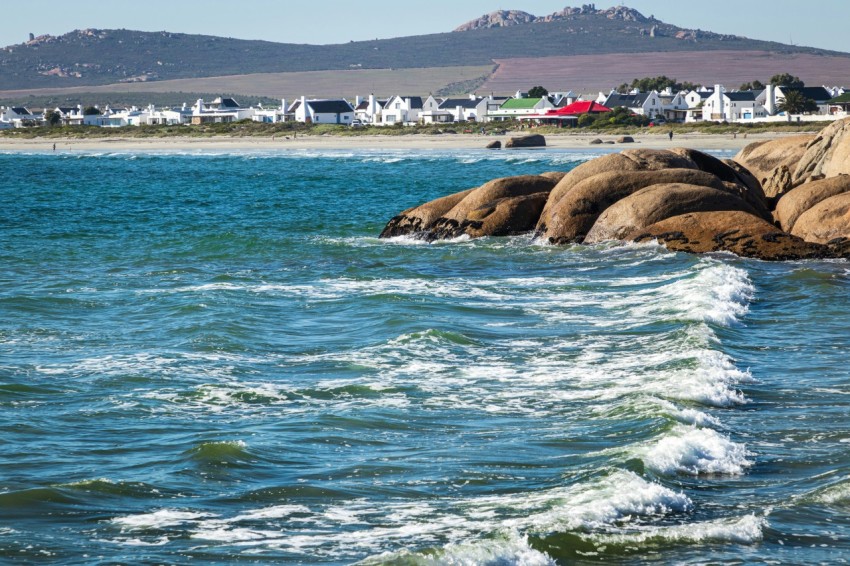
99, 57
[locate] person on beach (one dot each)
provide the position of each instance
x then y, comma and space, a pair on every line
670, 135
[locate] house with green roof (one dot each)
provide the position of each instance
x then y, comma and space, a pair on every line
839, 103
516, 108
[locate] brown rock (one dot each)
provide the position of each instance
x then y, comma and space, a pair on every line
596, 141
494, 145
574, 215
533, 140
554, 175
628, 160
502, 217
626, 139
420, 218
799, 200
827, 222
773, 162
456, 222
750, 188
657, 202
731, 231
828, 155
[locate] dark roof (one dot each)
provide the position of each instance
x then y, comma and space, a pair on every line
364, 105
330, 106
628, 100
741, 96
816, 93
225, 103
67, 109
415, 101
462, 102
21, 111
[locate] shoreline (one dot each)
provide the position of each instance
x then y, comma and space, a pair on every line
382, 142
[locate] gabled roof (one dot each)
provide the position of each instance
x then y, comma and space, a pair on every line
225, 103
21, 111
579, 107
330, 106
462, 102
628, 100
520, 103
816, 93
415, 101
741, 96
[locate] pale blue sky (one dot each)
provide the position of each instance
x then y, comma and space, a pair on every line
817, 24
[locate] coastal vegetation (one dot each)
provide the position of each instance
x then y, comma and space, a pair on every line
603, 126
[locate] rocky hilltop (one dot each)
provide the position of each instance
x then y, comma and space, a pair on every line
778, 200
650, 26
505, 18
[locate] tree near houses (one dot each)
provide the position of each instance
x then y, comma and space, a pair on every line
648, 84
754, 85
52, 118
91, 111
784, 79
537, 92
796, 103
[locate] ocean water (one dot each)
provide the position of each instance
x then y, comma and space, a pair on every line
211, 358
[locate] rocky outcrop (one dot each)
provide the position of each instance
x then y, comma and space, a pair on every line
501, 217
485, 211
533, 140
657, 202
506, 18
773, 162
496, 144
826, 222
420, 219
625, 139
574, 215
799, 200
685, 199
731, 231
628, 160
828, 155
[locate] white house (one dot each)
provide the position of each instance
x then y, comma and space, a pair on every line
369, 110
220, 110
18, 117
469, 109
773, 96
272, 115
674, 106
641, 103
518, 108
323, 111
406, 109
723, 106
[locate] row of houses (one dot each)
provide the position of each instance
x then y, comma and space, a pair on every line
705, 104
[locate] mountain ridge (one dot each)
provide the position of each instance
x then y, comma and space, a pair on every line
92, 57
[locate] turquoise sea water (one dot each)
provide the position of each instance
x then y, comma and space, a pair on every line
211, 358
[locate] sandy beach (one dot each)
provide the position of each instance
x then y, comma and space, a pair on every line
379, 142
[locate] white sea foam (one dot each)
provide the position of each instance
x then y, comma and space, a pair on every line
748, 529
696, 451
838, 493
159, 519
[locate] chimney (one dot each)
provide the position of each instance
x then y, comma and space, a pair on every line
373, 109
770, 100
472, 96
357, 100
718, 90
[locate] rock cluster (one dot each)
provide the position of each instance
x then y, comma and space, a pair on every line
777, 200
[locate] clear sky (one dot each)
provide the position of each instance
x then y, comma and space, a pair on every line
821, 23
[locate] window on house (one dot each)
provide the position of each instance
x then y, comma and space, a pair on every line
397, 105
